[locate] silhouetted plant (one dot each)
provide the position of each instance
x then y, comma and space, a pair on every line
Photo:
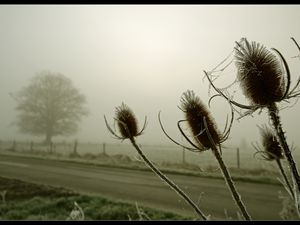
128, 129
207, 136
265, 83
272, 151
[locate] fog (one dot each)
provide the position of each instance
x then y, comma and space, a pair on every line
143, 55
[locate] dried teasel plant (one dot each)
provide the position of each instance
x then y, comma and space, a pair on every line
194, 111
265, 83
128, 129
126, 122
272, 151
206, 136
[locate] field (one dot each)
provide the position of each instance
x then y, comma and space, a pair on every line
123, 156
27, 201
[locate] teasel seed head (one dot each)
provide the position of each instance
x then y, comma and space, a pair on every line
259, 73
271, 146
195, 112
126, 121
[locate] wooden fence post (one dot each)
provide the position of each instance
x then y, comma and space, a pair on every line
31, 146
14, 146
75, 147
103, 148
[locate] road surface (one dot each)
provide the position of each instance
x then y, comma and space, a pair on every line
147, 189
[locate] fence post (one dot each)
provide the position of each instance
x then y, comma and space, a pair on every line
103, 148
14, 146
238, 157
75, 147
31, 146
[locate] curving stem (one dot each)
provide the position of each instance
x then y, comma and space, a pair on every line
288, 185
167, 180
231, 185
236, 196
273, 112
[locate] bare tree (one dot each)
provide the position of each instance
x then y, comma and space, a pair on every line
50, 105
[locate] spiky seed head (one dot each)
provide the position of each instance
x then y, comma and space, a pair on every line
126, 121
195, 111
260, 73
270, 144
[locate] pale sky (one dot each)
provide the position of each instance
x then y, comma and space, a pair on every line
143, 55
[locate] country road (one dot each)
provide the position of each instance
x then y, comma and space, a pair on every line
145, 188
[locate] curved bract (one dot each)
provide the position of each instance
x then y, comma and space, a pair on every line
195, 112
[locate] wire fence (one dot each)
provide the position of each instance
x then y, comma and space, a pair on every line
234, 157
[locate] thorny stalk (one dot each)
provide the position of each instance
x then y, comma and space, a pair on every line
265, 83
128, 128
236, 196
167, 180
273, 113
207, 136
287, 183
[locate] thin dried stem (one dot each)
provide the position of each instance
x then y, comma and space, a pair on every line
168, 181
131, 134
287, 183
236, 196
273, 112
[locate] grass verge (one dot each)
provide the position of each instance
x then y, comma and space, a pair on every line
27, 201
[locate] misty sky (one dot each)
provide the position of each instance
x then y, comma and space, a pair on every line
144, 56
